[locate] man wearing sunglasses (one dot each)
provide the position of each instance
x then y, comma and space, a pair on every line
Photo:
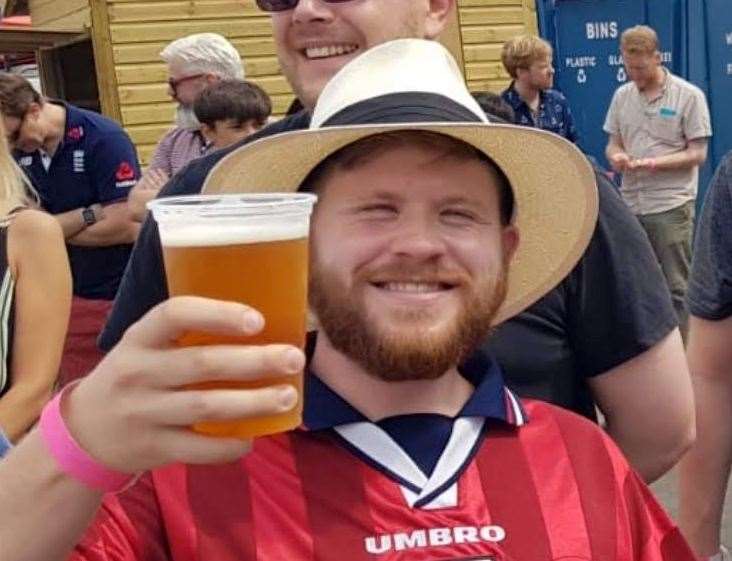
606, 336
314, 39
194, 62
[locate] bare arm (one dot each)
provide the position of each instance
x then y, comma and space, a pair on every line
649, 408
705, 470
616, 155
116, 227
694, 155
38, 262
146, 190
35, 492
138, 385
72, 221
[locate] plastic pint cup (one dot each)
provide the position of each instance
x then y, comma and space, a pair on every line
251, 249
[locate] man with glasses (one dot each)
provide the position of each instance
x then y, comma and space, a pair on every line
314, 39
627, 362
194, 62
83, 166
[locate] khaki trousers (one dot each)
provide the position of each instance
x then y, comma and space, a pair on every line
670, 234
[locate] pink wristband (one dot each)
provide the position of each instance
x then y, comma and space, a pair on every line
70, 457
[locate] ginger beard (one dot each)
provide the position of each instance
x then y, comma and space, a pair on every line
406, 349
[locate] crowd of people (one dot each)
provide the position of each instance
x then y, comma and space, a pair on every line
509, 347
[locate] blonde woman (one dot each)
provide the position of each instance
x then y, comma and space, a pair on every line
35, 301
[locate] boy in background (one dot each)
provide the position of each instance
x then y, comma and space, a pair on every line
231, 110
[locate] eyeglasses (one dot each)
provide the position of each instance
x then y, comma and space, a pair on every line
174, 84
283, 5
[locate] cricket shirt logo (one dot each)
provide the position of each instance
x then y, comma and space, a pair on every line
78, 161
75, 134
125, 175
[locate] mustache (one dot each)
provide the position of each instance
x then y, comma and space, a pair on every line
406, 272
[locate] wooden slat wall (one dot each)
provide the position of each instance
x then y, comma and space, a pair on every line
486, 25
60, 14
140, 29
452, 38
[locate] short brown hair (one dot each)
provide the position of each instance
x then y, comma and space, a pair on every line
16, 95
639, 40
235, 100
367, 149
522, 51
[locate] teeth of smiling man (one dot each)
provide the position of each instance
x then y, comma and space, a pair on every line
415, 287
332, 50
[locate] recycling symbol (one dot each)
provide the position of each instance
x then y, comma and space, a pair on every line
622, 76
581, 76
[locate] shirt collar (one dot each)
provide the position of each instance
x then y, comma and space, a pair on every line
74, 130
666, 78
513, 97
517, 102
325, 409
662, 92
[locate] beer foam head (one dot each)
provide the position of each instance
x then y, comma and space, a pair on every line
203, 234
205, 220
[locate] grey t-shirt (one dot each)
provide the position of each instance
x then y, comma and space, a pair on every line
710, 283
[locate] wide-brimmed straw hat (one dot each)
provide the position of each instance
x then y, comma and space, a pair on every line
413, 84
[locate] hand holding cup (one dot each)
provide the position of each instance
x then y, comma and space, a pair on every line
135, 410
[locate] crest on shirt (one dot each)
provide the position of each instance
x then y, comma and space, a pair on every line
78, 161
125, 175
75, 133
26, 161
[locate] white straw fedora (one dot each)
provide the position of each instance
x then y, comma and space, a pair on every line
413, 84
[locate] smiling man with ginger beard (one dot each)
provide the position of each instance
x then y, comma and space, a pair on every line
627, 364
418, 221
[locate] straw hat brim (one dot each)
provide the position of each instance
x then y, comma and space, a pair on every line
556, 200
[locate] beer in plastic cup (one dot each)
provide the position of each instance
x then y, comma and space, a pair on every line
250, 248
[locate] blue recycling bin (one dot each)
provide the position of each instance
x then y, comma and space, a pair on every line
716, 43
586, 40
696, 44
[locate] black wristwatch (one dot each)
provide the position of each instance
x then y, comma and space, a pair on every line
88, 215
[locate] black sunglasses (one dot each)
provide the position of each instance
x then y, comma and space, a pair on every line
175, 83
283, 5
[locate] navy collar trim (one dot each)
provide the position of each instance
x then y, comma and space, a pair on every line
325, 409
